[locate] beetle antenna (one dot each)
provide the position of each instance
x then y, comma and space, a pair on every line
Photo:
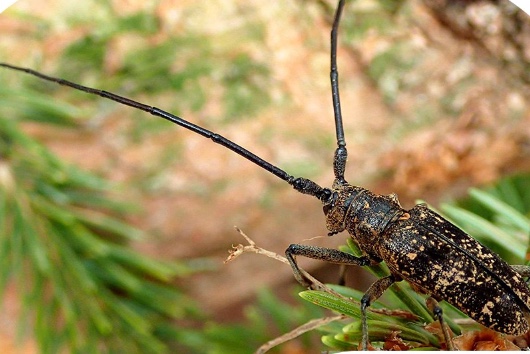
341, 154
302, 185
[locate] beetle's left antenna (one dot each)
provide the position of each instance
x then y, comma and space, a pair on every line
302, 185
341, 154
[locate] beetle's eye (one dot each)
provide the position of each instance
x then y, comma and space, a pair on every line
330, 202
325, 195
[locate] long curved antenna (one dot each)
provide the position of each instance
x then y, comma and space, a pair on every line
302, 185
341, 154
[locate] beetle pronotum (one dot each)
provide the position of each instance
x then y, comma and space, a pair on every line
418, 245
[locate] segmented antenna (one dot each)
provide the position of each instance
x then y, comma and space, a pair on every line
219, 139
341, 154
302, 185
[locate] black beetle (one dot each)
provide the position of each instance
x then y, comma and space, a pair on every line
418, 245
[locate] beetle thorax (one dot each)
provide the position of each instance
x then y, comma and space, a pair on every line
362, 213
336, 208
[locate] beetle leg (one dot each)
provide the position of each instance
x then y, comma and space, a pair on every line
324, 254
437, 312
342, 275
373, 293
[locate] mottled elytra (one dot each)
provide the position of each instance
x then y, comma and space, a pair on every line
418, 245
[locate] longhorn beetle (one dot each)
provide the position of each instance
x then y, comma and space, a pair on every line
418, 245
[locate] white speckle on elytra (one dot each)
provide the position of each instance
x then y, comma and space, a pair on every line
486, 309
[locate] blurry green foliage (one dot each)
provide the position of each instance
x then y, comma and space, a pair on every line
63, 245
268, 318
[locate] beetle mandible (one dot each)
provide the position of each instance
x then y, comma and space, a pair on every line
418, 245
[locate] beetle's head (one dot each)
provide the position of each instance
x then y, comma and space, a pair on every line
336, 202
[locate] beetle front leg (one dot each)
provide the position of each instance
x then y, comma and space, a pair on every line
324, 254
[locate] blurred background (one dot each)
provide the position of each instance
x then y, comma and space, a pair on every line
434, 97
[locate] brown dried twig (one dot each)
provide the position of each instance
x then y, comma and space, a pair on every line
253, 248
306, 327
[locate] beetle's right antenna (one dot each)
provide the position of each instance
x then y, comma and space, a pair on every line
341, 154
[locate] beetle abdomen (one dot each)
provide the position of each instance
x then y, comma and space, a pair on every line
430, 252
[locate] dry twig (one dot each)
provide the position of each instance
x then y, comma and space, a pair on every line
306, 327
252, 248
